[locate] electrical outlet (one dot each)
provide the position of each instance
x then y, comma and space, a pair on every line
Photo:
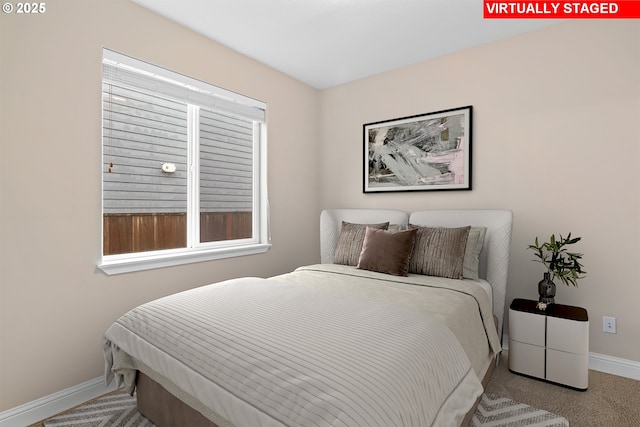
609, 324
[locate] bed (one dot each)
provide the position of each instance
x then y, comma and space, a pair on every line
398, 325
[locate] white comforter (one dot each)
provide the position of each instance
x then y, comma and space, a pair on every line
268, 352
462, 305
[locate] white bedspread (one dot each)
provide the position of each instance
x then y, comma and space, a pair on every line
267, 352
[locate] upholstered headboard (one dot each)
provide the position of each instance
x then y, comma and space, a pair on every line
494, 258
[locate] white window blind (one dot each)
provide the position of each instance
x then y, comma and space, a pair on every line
126, 71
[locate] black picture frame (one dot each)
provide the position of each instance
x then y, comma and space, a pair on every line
425, 152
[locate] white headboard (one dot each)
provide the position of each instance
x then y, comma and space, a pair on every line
494, 258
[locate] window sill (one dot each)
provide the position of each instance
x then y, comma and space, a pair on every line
156, 260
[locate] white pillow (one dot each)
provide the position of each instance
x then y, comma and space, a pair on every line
471, 262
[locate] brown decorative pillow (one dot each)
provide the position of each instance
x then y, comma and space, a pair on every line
387, 251
350, 240
439, 251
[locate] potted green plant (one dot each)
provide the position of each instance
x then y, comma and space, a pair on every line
560, 263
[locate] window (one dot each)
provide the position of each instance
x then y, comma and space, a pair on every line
184, 176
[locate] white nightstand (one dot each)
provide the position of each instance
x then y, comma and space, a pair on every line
551, 345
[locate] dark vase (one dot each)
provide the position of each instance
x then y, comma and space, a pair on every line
546, 290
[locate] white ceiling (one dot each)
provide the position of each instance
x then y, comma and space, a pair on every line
324, 43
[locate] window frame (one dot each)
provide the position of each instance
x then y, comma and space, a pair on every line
196, 251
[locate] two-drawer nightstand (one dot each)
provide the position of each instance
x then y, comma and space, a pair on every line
552, 345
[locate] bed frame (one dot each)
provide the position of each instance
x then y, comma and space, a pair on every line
164, 409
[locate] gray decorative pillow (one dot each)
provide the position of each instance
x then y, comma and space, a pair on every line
387, 251
471, 262
439, 251
350, 240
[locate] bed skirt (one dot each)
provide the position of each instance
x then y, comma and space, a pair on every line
163, 408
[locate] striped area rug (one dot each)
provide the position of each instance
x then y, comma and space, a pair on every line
494, 411
118, 409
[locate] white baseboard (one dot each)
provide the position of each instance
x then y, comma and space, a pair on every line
614, 365
55, 403
603, 363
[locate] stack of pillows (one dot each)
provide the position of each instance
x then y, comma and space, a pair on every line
433, 251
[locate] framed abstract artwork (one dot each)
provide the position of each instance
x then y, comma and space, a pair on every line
425, 152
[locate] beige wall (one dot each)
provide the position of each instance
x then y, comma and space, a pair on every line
556, 139
54, 304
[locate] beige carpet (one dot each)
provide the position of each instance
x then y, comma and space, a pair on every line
610, 401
